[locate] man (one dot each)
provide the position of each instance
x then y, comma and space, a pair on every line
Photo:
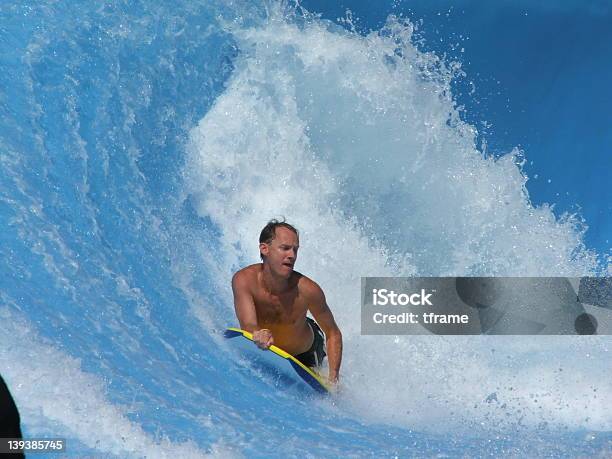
271, 301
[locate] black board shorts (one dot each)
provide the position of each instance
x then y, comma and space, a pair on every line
314, 356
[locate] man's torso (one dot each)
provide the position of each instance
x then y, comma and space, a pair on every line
283, 314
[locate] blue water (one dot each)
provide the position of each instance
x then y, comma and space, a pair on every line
144, 145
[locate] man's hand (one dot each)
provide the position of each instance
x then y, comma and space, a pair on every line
333, 385
263, 338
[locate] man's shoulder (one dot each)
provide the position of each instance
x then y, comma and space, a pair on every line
248, 274
307, 285
312, 293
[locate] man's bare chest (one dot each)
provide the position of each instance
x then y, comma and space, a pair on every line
279, 309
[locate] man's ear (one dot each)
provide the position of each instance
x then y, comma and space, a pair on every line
264, 249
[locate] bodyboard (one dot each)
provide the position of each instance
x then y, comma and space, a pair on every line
284, 368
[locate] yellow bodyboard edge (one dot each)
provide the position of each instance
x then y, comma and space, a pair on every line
278, 351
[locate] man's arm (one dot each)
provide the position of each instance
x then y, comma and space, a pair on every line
246, 312
324, 317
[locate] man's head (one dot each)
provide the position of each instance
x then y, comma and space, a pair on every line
278, 246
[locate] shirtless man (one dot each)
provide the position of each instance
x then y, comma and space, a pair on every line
271, 301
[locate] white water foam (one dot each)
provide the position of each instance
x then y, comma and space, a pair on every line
55, 395
357, 141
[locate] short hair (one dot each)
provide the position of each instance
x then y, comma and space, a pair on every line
268, 233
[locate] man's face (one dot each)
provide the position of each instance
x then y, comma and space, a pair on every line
281, 253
